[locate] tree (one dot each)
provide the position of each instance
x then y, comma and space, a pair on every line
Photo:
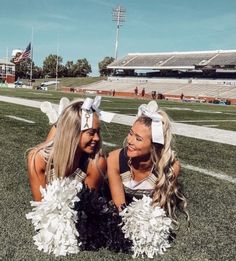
69, 68
82, 68
103, 70
22, 69
37, 72
50, 64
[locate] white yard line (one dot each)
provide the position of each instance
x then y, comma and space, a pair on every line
109, 144
19, 119
217, 175
203, 111
207, 120
210, 126
38, 93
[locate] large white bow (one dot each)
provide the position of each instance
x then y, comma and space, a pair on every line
90, 104
53, 111
150, 110
87, 112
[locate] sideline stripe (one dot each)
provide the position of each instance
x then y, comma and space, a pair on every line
20, 101
218, 175
19, 119
109, 144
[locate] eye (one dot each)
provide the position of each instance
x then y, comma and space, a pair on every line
131, 133
139, 139
91, 132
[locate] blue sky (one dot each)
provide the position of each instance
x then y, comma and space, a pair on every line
84, 28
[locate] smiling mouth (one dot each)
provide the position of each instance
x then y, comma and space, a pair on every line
92, 145
130, 148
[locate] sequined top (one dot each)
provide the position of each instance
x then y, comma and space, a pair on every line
79, 174
135, 188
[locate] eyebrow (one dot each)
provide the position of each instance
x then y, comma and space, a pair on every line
137, 135
95, 130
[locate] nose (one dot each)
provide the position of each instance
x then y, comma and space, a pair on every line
96, 137
129, 139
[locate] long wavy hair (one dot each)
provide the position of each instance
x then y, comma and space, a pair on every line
60, 152
167, 192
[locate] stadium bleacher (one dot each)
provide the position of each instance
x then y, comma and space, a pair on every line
148, 60
224, 59
175, 87
176, 59
189, 59
190, 74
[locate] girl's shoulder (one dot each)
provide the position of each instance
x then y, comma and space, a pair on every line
102, 162
36, 162
35, 154
98, 163
114, 154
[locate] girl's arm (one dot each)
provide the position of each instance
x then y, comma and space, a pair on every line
95, 171
36, 173
115, 182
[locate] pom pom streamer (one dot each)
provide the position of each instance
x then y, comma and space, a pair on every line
147, 227
54, 218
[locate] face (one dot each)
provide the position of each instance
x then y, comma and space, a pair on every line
89, 138
139, 140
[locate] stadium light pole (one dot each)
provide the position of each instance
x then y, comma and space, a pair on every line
118, 15
57, 64
31, 56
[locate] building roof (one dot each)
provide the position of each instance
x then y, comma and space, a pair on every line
177, 60
3, 61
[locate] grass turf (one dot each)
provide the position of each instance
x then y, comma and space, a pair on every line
211, 202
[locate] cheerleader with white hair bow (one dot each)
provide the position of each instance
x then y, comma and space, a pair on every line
59, 169
146, 170
72, 148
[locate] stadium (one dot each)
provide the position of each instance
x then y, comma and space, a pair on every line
194, 76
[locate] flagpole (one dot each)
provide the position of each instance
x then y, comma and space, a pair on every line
57, 64
31, 56
6, 61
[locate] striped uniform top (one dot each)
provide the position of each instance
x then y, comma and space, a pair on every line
132, 187
79, 174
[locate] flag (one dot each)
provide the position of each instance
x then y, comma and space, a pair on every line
24, 55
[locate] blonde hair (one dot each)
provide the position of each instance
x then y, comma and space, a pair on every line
167, 192
59, 153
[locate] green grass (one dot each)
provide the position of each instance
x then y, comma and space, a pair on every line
68, 81
211, 202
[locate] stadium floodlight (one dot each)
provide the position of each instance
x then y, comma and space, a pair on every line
118, 15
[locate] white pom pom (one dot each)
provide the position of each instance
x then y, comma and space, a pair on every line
54, 219
147, 227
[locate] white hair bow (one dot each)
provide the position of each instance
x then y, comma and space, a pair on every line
87, 112
150, 110
53, 111
88, 107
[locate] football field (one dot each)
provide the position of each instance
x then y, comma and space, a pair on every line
208, 177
